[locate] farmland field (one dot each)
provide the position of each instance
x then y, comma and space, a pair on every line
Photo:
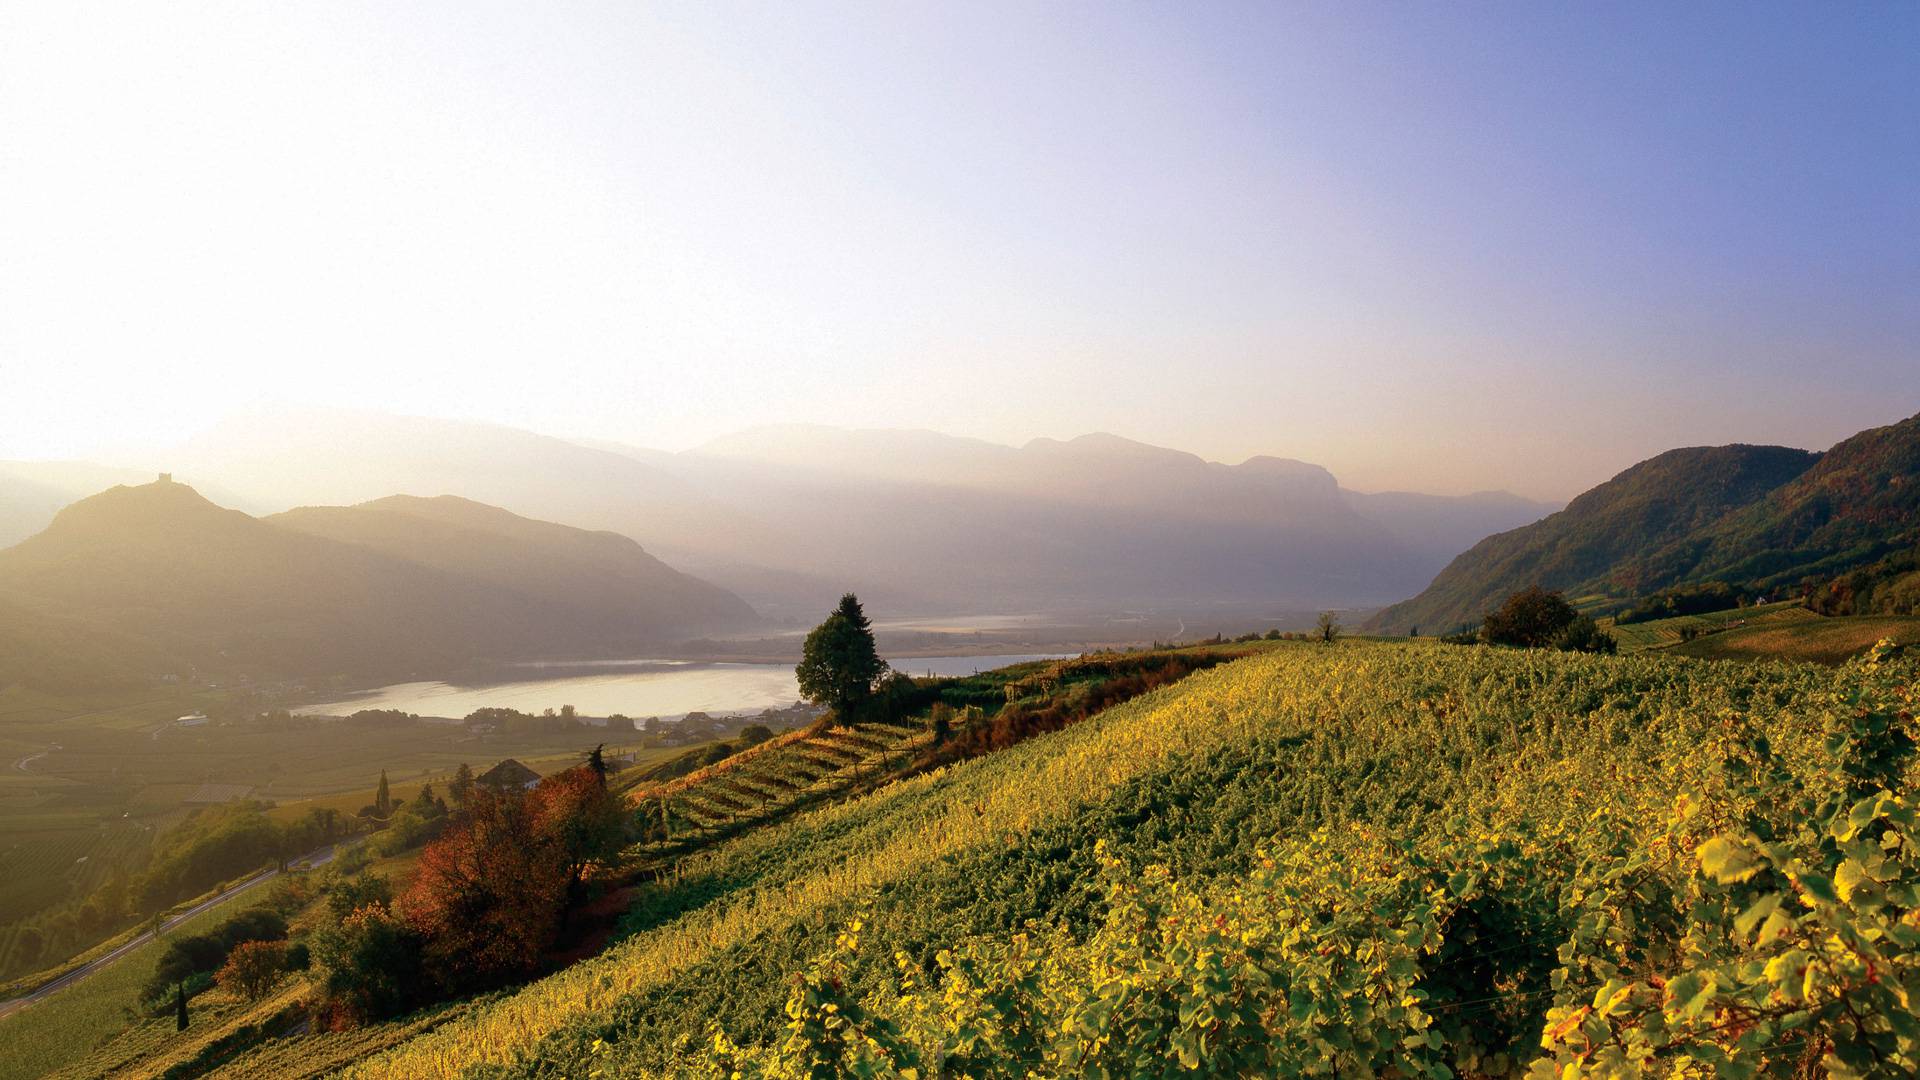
1659, 633
1816, 640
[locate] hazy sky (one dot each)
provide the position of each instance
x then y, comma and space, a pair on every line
1437, 246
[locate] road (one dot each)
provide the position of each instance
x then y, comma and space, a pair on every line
31, 758
316, 858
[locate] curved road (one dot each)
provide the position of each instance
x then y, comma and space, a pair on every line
316, 858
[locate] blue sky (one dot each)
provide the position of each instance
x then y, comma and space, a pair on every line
1443, 247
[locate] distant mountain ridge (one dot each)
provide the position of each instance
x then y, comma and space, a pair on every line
1760, 517
790, 516
404, 587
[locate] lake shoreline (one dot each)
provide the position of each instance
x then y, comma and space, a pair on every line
667, 688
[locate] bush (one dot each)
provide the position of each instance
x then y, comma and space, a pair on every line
202, 954
367, 889
1584, 635
252, 969
1532, 618
370, 969
259, 924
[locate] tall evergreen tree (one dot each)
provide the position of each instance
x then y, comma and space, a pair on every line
383, 798
462, 784
839, 663
180, 1007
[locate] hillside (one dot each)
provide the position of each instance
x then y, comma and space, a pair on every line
32, 492
1859, 503
224, 592
592, 572
1352, 842
789, 516
1654, 503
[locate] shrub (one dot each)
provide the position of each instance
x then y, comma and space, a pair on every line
1584, 635
370, 968
252, 969
1532, 618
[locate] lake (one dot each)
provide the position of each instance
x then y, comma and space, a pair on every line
663, 688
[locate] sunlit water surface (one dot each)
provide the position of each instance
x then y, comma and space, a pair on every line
664, 688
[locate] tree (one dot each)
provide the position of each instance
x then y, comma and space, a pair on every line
487, 894
382, 798
1532, 618
252, 969
839, 663
597, 761
369, 968
1585, 635
1327, 629
180, 1006
462, 784
583, 823
367, 890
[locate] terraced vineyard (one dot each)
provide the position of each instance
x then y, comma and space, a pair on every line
774, 779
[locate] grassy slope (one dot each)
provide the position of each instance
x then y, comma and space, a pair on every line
1817, 640
1404, 737
1658, 633
67, 1026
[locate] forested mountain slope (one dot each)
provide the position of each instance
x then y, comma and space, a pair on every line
1767, 520
1399, 858
1859, 503
1658, 501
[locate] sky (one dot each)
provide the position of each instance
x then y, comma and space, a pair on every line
1431, 247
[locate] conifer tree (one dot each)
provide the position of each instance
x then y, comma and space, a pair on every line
180, 1007
383, 798
839, 663
462, 784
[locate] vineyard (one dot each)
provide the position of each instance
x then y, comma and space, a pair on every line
1491, 849
1369, 859
1659, 633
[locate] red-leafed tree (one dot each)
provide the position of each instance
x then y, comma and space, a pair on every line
252, 968
487, 895
585, 824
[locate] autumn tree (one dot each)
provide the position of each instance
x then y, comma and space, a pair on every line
583, 825
839, 662
1327, 629
252, 968
487, 895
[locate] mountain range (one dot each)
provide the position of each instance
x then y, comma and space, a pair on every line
1767, 519
402, 586
788, 517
